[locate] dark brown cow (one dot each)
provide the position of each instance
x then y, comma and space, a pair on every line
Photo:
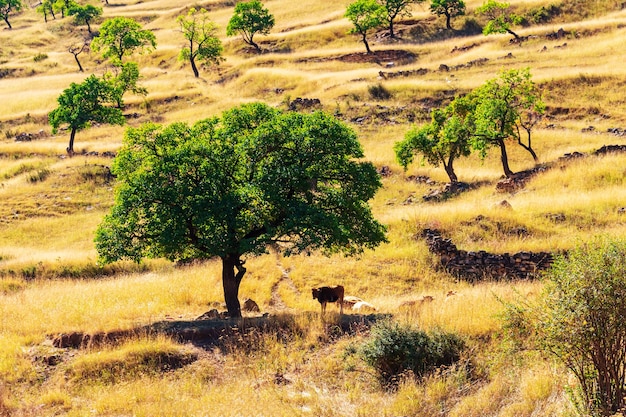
329, 295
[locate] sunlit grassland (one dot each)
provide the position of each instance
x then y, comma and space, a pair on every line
51, 205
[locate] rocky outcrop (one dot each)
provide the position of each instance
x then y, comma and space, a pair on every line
476, 266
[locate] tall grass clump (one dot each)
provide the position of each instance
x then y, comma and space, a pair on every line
394, 350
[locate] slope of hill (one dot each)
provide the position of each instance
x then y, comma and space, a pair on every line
50, 206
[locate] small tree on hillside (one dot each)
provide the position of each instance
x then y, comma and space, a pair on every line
124, 79
501, 19
581, 319
443, 140
365, 15
121, 36
395, 9
249, 19
78, 48
85, 14
9, 6
203, 43
230, 187
64, 6
500, 106
82, 104
447, 8
46, 8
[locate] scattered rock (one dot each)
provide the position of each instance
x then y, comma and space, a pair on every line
251, 306
304, 103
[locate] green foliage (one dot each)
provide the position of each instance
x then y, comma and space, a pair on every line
40, 57
365, 15
204, 44
45, 8
447, 8
84, 14
9, 6
125, 80
121, 36
232, 186
542, 14
393, 350
39, 176
81, 104
395, 9
443, 140
500, 18
249, 19
582, 320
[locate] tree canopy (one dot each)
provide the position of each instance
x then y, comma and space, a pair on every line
395, 9
501, 20
249, 19
83, 103
447, 8
9, 6
365, 15
228, 187
85, 14
122, 36
203, 43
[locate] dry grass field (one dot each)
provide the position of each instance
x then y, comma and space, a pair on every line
51, 205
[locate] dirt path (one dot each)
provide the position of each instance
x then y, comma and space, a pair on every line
276, 302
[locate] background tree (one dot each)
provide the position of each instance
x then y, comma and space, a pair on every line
122, 36
9, 6
249, 19
84, 14
397, 8
64, 6
123, 80
81, 104
581, 319
443, 140
230, 187
365, 15
46, 8
500, 103
78, 48
204, 44
447, 8
501, 19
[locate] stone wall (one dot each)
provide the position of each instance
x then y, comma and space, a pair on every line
475, 266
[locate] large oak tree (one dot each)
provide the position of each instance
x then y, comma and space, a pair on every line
230, 187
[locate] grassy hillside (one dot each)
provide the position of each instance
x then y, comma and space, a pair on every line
51, 204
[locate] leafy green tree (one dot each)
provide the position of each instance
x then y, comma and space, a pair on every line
447, 8
249, 19
125, 79
501, 20
581, 319
365, 15
500, 106
121, 36
230, 187
9, 6
46, 8
443, 140
64, 6
395, 9
84, 14
76, 49
82, 104
200, 33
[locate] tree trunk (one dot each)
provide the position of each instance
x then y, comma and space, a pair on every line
505, 159
6, 19
231, 281
367, 45
391, 33
528, 147
450, 170
448, 25
80, 67
513, 33
192, 61
70, 148
88, 26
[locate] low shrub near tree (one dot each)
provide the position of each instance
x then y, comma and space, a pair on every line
394, 350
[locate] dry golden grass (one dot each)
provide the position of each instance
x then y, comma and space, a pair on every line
50, 207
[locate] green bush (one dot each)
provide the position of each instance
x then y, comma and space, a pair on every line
378, 92
40, 57
393, 350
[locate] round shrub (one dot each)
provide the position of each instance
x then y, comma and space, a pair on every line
394, 349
